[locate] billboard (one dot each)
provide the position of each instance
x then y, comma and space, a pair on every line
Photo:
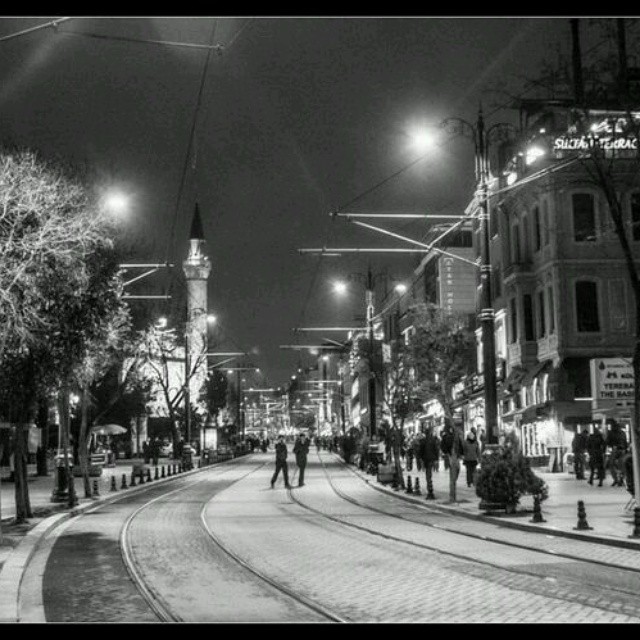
612, 382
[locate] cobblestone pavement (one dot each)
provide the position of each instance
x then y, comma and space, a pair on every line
364, 577
82, 576
365, 565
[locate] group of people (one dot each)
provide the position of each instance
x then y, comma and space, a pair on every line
603, 453
300, 450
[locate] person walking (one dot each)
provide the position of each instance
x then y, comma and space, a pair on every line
155, 451
301, 449
416, 444
579, 449
617, 442
281, 462
595, 448
428, 455
146, 453
410, 453
471, 455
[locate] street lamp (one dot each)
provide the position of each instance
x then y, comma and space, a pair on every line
481, 139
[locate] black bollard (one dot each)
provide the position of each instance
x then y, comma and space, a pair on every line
416, 488
133, 480
162, 475
537, 511
113, 484
430, 495
96, 489
156, 475
582, 525
124, 481
636, 523
149, 478
409, 488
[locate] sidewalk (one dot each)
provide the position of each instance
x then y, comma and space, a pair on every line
604, 506
41, 487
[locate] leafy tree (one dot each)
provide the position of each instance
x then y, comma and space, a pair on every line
49, 230
214, 393
442, 350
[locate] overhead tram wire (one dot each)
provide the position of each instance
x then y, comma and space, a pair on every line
53, 24
171, 242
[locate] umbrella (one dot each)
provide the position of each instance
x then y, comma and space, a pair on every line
108, 429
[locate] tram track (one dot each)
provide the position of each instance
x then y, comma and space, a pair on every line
154, 600
159, 605
459, 556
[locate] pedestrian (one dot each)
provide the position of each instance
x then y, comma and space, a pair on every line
579, 449
417, 447
155, 451
471, 453
451, 446
146, 452
281, 462
410, 453
443, 447
596, 447
617, 442
428, 455
301, 449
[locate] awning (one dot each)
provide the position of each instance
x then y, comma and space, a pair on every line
535, 411
514, 380
535, 371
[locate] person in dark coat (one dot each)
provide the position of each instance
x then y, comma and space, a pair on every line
579, 449
617, 442
146, 451
154, 450
301, 449
281, 462
429, 454
596, 447
471, 453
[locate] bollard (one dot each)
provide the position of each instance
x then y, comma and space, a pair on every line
175, 469
113, 484
537, 512
133, 480
416, 488
409, 488
582, 518
96, 490
149, 478
636, 523
162, 475
124, 481
430, 495
199, 463
156, 475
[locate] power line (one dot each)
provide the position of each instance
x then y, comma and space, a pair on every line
185, 166
54, 24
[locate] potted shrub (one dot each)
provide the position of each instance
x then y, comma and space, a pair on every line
504, 476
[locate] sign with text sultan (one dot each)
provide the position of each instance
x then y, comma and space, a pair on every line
612, 381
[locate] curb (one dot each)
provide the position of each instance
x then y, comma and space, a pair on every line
17, 561
520, 526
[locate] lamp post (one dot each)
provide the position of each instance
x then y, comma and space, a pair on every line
486, 315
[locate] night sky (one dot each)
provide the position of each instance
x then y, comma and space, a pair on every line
299, 116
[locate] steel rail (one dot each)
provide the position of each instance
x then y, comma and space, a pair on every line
157, 604
314, 606
465, 534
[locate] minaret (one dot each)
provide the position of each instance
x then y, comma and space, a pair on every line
197, 268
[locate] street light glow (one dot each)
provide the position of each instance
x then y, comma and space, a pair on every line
211, 319
115, 203
401, 288
340, 288
423, 140
162, 322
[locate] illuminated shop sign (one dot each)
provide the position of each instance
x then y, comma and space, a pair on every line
584, 143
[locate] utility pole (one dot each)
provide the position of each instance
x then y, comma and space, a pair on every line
372, 377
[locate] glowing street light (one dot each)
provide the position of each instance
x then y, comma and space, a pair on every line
423, 140
211, 319
340, 288
400, 288
115, 203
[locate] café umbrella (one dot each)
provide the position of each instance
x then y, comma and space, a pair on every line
108, 429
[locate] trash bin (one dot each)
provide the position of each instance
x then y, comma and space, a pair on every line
187, 456
61, 489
